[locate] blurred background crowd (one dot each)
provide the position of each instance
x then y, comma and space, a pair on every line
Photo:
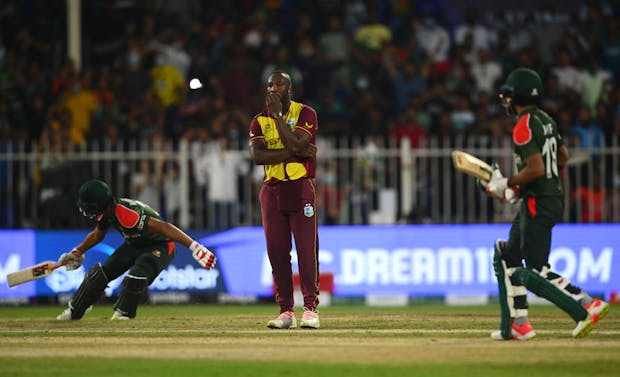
382, 70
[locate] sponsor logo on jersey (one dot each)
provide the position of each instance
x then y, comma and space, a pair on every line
141, 223
308, 125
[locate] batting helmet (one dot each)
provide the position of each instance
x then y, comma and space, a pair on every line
94, 197
523, 87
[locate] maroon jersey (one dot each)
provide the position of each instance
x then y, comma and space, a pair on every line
299, 117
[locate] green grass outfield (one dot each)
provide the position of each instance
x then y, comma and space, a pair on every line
232, 340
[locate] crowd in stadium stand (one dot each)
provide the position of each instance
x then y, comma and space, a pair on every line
366, 66
378, 69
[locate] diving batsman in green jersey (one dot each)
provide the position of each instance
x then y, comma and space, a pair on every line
539, 154
148, 249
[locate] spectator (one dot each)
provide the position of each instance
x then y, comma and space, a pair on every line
146, 183
170, 89
610, 47
330, 196
462, 117
571, 139
81, 104
590, 134
435, 103
221, 169
435, 41
282, 63
503, 53
135, 78
373, 35
369, 39
259, 34
593, 200
592, 25
570, 78
170, 52
554, 101
334, 45
354, 15
595, 81
171, 190
456, 76
405, 78
547, 32
471, 25
410, 129
486, 72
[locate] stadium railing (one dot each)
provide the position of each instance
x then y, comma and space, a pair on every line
359, 182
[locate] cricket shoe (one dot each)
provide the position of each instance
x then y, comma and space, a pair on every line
597, 310
285, 320
118, 316
66, 314
310, 320
523, 332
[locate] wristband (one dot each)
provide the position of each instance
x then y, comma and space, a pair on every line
194, 245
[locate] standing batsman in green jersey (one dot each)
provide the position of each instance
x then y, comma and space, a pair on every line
148, 249
539, 153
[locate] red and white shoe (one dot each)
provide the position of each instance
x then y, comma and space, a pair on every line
597, 310
310, 320
285, 320
523, 332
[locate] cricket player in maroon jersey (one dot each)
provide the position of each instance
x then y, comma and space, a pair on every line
283, 139
148, 249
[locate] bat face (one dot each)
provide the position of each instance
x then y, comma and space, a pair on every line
35, 272
468, 164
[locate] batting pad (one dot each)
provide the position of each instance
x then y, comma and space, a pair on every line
134, 291
543, 288
503, 281
563, 284
89, 291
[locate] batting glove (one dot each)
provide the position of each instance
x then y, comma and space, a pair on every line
203, 255
481, 185
72, 260
497, 184
512, 195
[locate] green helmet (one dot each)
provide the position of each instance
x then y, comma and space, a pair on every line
94, 197
523, 87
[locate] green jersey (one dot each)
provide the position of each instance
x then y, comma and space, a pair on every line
535, 132
130, 219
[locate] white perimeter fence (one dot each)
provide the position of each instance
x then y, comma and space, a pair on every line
201, 186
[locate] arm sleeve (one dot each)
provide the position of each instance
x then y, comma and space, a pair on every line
307, 121
256, 132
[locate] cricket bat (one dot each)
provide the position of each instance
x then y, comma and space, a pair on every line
35, 272
472, 165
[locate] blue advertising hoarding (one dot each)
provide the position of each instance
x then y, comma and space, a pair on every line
184, 274
420, 259
379, 260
